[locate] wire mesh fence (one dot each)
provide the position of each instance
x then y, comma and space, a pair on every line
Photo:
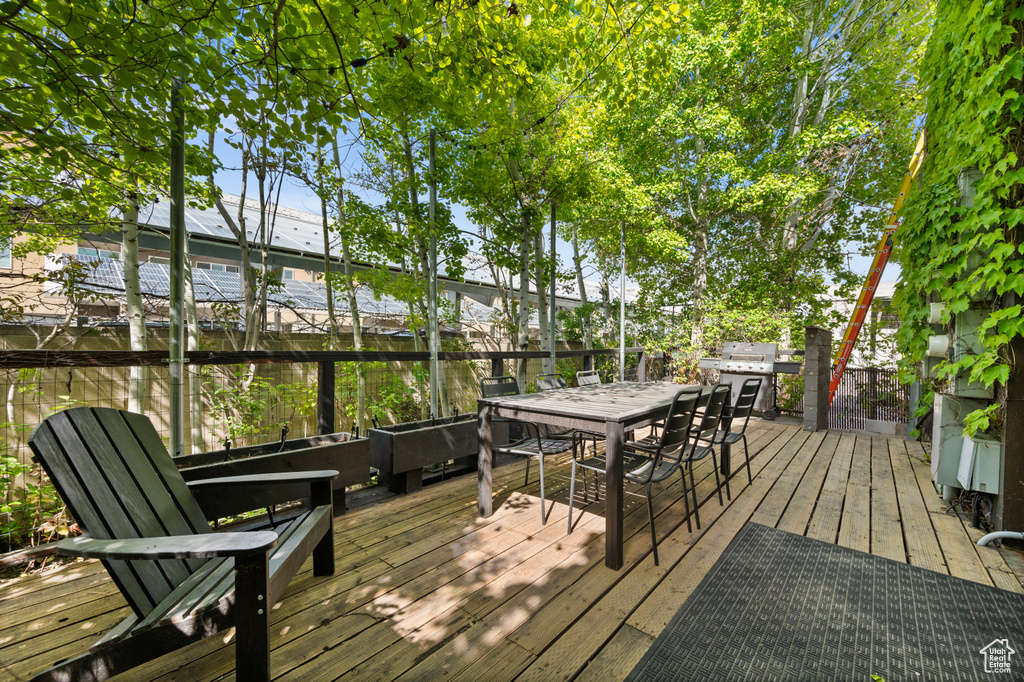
238, 404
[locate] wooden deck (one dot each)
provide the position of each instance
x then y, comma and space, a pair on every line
426, 590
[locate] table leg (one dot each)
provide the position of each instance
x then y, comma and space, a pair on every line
484, 463
613, 495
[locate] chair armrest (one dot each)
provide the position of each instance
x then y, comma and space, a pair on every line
268, 479
201, 546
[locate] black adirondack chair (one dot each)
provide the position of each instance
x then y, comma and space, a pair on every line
183, 582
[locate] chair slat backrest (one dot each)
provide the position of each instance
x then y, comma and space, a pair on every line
744, 404
493, 387
712, 414
588, 377
550, 382
119, 482
676, 432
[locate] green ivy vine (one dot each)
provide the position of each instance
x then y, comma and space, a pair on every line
951, 251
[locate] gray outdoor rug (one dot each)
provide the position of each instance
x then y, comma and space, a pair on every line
779, 606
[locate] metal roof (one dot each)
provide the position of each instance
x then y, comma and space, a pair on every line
300, 232
213, 286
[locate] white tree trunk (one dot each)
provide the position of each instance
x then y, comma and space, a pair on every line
138, 377
195, 388
542, 300
588, 321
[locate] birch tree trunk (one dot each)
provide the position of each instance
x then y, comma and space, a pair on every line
700, 254
195, 388
523, 339
237, 226
421, 254
606, 305
138, 377
350, 294
588, 320
542, 299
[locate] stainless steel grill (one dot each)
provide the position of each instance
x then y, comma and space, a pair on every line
740, 359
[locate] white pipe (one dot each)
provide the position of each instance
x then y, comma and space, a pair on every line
1001, 535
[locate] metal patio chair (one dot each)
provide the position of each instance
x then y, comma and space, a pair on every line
588, 377
646, 464
739, 410
703, 444
529, 446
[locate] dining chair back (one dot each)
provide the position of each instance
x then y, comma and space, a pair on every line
531, 443
739, 413
550, 382
495, 387
588, 377
648, 464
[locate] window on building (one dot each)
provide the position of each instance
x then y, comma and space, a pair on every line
102, 253
219, 267
888, 318
5, 254
287, 273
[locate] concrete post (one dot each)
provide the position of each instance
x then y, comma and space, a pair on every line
817, 372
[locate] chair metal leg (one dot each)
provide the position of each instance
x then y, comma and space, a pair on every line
650, 515
686, 499
527, 481
572, 491
696, 504
718, 481
750, 480
543, 516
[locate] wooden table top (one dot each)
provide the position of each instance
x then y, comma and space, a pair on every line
618, 402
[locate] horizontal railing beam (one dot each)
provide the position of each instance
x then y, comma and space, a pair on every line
19, 359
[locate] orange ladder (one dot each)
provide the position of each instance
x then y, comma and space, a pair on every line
870, 286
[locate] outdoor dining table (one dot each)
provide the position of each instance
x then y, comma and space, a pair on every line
616, 408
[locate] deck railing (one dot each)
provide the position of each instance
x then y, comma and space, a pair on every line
241, 397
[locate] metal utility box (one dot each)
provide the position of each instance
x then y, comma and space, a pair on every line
948, 437
979, 465
967, 342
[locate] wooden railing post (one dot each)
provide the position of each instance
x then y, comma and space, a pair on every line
588, 363
497, 367
641, 368
325, 398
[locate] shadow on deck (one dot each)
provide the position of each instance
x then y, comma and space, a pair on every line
425, 589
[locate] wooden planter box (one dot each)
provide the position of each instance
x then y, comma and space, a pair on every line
400, 452
350, 457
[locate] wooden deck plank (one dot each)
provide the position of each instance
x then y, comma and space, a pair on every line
770, 511
798, 513
855, 524
552, 619
957, 550
655, 612
426, 590
886, 531
922, 546
998, 570
381, 593
461, 653
828, 511
501, 661
618, 657
433, 598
